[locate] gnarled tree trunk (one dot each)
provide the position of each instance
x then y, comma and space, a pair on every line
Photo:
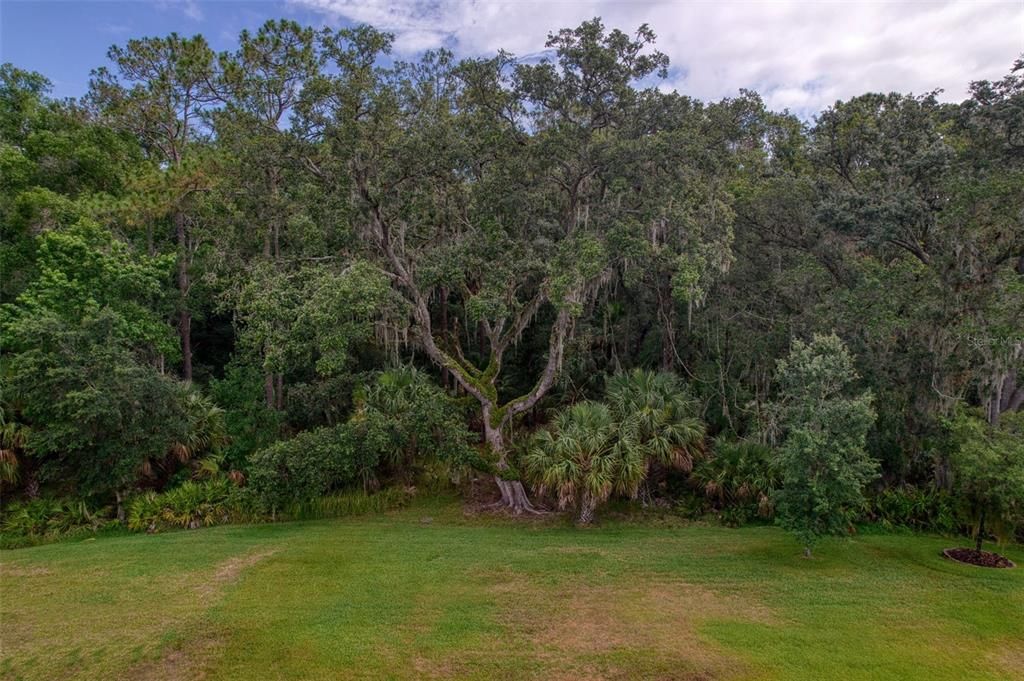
513, 493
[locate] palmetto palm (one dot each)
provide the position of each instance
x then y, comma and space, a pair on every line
205, 432
740, 475
596, 449
655, 412
407, 421
205, 429
13, 438
582, 459
385, 406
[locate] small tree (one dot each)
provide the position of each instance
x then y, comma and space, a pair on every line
822, 461
988, 471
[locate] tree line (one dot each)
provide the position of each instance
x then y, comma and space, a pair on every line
307, 264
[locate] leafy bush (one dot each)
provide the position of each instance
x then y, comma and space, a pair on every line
738, 480
309, 465
409, 423
49, 519
13, 438
249, 424
348, 504
190, 505
988, 472
914, 508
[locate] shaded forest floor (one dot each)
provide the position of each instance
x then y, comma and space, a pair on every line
428, 592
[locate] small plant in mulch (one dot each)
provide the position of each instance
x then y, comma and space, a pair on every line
978, 557
988, 469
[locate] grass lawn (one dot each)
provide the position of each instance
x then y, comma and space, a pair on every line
427, 593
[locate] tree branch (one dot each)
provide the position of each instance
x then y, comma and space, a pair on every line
556, 348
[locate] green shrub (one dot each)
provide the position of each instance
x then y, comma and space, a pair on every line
988, 472
50, 519
738, 480
410, 425
308, 466
250, 425
349, 504
915, 508
190, 505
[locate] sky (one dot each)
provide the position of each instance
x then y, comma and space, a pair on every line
801, 56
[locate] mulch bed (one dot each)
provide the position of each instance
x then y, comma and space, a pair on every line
979, 558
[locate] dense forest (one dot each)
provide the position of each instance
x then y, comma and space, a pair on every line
238, 285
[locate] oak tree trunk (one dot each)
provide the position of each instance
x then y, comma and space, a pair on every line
513, 494
445, 378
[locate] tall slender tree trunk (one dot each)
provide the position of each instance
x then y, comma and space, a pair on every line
667, 360
184, 316
268, 390
981, 532
667, 316
273, 386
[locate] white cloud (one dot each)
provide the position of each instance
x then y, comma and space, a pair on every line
192, 10
115, 28
189, 8
800, 55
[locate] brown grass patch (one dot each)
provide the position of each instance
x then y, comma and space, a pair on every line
38, 571
229, 571
648, 630
191, 659
188, 662
1010, 659
432, 668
